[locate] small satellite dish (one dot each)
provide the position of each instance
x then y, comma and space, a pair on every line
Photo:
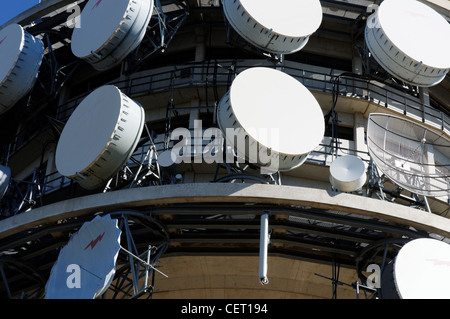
21, 57
411, 155
278, 117
283, 27
419, 271
348, 173
122, 28
5, 177
410, 41
99, 137
86, 265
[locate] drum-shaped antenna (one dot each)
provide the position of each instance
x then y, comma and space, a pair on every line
21, 56
410, 41
99, 137
419, 271
122, 28
348, 173
281, 27
411, 155
5, 177
86, 265
270, 119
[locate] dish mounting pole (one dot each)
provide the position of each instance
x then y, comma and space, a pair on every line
263, 248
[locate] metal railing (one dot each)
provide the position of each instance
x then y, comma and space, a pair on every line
314, 78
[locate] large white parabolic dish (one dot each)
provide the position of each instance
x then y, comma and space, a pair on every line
281, 27
411, 155
110, 30
20, 59
86, 265
419, 271
410, 40
275, 114
348, 173
99, 137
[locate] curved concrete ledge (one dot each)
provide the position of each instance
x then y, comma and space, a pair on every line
231, 193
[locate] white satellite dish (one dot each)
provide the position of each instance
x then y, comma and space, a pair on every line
419, 271
5, 177
410, 40
21, 56
280, 119
348, 173
99, 137
281, 27
411, 155
122, 28
86, 265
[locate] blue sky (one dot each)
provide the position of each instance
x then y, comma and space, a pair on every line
11, 8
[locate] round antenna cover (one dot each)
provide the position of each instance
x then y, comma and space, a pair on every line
409, 40
348, 173
122, 28
278, 117
11, 44
283, 27
99, 137
21, 56
419, 271
86, 265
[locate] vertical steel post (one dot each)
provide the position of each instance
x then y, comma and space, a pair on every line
263, 248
